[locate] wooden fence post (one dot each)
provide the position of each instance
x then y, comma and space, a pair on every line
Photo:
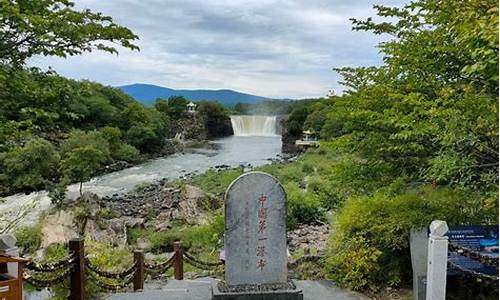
178, 261
139, 272
77, 277
20, 272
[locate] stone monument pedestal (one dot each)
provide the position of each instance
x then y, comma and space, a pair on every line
284, 294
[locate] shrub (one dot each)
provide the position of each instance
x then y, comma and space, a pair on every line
29, 238
381, 223
125, 152
324, 191
356, 263
302, 207
198, 238
30, 166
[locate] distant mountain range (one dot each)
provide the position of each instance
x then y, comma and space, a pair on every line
147, 94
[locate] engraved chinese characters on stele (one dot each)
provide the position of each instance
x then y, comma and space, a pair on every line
255, 230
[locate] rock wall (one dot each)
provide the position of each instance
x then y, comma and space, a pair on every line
288, 140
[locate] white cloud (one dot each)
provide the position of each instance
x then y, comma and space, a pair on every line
273, 48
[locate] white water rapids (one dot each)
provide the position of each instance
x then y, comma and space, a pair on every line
232, 151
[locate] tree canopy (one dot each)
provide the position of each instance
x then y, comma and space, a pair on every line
55, 27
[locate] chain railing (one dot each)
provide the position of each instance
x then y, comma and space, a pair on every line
108, 274
41, 275
76, 266
51, 266
160, 267
306, 258
200, 264
40, 279
106, 284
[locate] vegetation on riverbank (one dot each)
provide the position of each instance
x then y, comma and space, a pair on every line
418, 136
54, 130
412, 140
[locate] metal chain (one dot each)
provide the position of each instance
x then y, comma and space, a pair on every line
41, 283
109, 286
50, 267
198, 265
160, 266
475, 255
110, 275
208, 264
472, 273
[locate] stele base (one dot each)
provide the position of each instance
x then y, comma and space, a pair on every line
295, 294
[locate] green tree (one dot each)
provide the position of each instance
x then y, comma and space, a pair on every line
54, 27
161, 105
78, 138
83, 155
177, 106
429, 114
216, 121
119, 150
82, 163
30, 166
142, 137
432, 109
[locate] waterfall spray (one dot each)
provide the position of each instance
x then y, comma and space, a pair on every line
254, 125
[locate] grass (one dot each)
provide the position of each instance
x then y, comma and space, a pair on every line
216, 182
198, 239
29, 238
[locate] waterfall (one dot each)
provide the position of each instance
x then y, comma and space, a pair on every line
254, 125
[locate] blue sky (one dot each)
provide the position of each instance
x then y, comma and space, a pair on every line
274, 48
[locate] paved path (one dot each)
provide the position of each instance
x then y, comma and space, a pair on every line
201, 290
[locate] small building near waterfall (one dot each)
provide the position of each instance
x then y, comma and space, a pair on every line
309, 139
191, 107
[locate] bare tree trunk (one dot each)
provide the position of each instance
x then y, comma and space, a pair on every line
81, 183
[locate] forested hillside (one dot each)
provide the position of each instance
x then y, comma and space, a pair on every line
54, 130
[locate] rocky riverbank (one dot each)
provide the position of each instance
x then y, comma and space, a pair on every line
159, 206
305, 236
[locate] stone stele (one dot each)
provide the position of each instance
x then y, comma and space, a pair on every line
255, 231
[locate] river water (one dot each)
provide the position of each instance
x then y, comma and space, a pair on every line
232, 151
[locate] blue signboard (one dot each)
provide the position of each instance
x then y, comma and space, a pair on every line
483, 239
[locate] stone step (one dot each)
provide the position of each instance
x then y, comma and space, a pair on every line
201, 290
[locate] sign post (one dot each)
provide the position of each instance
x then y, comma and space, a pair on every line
437, 261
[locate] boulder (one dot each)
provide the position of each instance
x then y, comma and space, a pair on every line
113, 231
131, 222
194, 193
58, 228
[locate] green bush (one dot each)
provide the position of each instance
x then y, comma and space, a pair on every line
356, 263
206, 237
324, 191
302, 207
379, 225
125, 152
29, 238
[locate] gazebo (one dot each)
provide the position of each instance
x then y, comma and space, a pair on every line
191, 107
309, 138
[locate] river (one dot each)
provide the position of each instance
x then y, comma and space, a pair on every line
232, 151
